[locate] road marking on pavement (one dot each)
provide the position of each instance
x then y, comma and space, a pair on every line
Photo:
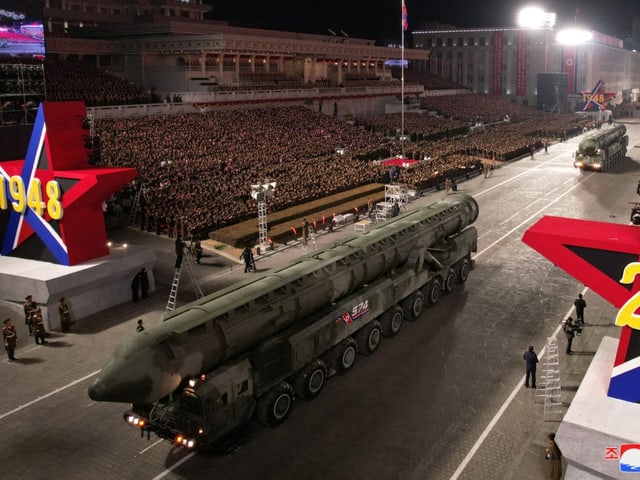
527, 220
53, 392
151, 446
483, 436
173, 467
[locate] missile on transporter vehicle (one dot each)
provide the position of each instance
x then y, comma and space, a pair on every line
253, 346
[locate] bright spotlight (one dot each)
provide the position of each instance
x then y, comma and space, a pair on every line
534, 17
531, 17
573, 36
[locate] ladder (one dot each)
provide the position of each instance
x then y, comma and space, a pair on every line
187, 264
134, 207
549, 388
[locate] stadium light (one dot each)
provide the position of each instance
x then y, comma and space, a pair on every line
534, 17
573, 36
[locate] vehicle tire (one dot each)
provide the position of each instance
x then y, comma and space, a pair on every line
345, 355
368, 337
412, 306
310, 380
391, 321
432, 291
450, 281
465, 268
274, 407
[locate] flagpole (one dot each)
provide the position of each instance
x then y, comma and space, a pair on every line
402, 26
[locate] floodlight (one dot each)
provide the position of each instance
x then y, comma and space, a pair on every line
535, 17
573, 36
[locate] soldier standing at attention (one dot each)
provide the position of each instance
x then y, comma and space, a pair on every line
10, 338
38, 327
65, 315
29, 309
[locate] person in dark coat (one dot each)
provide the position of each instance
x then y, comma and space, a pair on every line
530, 359
10, 338
247, 256
554, 457
179, 250
144, 283
569, 331
580, 305
135, 287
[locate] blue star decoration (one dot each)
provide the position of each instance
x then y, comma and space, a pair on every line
54, 197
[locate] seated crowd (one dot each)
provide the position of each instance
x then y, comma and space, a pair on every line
198, 168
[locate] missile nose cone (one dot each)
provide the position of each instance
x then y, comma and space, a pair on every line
98, 391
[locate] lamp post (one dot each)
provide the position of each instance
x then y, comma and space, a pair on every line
261, 192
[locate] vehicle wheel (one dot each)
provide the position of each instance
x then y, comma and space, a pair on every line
432, 291
450, 281
274, 407
345, 355
465, 268
368, 338
310, 379
391, 321
413, 305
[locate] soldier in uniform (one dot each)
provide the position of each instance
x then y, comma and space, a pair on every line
10, 338
65, 315
29, 308
38, 327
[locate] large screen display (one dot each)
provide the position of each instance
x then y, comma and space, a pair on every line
21, 29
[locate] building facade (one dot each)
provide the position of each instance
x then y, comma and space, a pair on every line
507, 61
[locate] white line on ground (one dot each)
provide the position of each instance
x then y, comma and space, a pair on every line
53, 392
150, 446
173, 467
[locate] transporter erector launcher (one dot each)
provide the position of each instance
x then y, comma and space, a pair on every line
253, 347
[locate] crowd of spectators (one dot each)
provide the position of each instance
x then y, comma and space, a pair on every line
198, 168
73, 79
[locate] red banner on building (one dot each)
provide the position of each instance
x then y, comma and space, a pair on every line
497, 63
521, 65
570, 68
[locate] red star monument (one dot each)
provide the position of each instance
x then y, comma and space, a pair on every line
54, 197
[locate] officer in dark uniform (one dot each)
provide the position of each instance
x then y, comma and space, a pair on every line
10, 338
29, 309
65, 315
38, 327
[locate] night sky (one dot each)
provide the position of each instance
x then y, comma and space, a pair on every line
376, 19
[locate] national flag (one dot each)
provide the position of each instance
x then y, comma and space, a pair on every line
405, 22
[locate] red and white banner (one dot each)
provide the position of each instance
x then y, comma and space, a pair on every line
497, 63
521, 65
569, 67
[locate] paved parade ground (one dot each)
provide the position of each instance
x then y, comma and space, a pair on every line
444, 399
